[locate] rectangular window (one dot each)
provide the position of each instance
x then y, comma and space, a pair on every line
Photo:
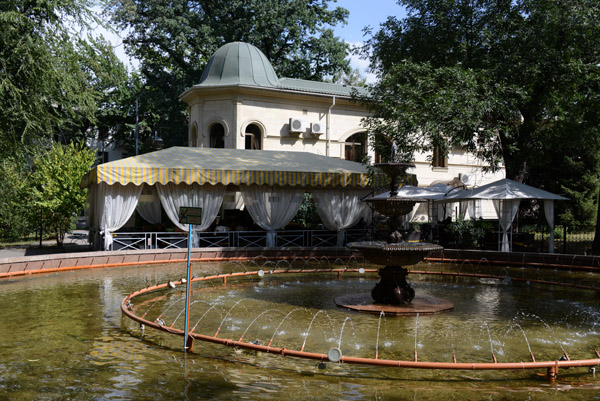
355, 148
439, 159
351, 151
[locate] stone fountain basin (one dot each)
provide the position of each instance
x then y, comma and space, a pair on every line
395, 254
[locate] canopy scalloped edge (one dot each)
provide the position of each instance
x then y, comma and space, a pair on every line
151, 176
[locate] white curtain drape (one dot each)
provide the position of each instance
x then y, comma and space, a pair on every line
114, 206
443, 210
549, 212
506, 210
149, 205
271, 207
340, 209
467, 209
207, 197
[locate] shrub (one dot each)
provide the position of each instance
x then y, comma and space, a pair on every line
465, 233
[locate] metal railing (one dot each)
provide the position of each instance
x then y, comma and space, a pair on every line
573, 239
234, 239
567, 240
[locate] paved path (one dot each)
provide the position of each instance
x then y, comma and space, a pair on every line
74, 242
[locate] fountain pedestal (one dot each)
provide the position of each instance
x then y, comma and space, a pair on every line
393, 294
393, 289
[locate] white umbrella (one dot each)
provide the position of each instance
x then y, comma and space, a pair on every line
507, 195
417, 194
504, 189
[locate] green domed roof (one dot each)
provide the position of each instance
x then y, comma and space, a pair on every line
239, 63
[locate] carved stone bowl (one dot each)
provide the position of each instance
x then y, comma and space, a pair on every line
400, 254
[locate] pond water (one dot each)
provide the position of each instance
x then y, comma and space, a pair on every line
63, 336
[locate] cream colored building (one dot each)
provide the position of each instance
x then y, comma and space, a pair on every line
241, 103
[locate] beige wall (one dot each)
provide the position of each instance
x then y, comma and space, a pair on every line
271, 110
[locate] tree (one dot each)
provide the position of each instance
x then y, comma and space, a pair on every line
40, 89
55, 185
15, 213
108, 83
175, 39
421, 107
53, 84
515, 82
352, 78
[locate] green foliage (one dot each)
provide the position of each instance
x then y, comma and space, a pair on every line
515, 82
141, 97
175, 39
307, 215
109, 84
54, 85
41, 90
438, 101
352, 78
15, 213
466, 233
55, 185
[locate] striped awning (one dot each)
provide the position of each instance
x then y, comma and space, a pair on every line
230, 166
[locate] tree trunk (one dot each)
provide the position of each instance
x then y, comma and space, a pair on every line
596, 243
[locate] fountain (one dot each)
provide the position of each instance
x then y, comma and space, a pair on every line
393, 294
66, 335
271, 311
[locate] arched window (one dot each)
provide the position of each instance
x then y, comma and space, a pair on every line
217, 136
253, 137
355, 147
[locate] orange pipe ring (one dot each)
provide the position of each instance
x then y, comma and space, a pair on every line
552, 365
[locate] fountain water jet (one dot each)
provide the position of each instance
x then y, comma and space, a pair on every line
295, 344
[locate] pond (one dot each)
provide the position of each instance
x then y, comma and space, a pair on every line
64, 337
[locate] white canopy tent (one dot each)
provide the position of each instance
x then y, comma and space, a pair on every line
272, 184
506, 195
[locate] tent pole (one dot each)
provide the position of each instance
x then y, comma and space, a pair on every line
500, 236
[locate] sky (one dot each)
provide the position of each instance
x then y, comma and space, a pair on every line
365, 13
362, 13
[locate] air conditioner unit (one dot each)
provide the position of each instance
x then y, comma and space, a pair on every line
297, 125
467, 179
317, 128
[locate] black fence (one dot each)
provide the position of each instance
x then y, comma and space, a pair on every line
572, 239
575, 240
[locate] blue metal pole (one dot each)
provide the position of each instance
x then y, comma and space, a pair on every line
187, 289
